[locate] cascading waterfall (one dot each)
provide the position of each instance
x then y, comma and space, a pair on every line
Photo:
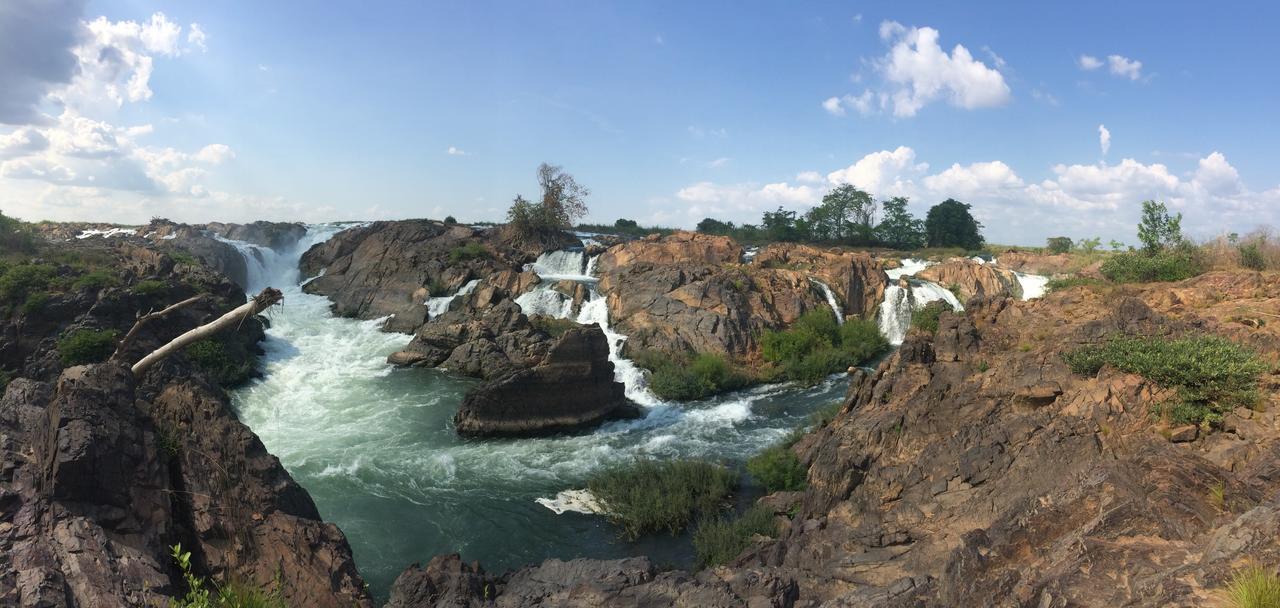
562, 265
1033, 285
901, 304
831, 300
439, 305
375, 448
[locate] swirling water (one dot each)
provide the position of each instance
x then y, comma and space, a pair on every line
375, 447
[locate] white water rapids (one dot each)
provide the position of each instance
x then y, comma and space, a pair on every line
375, 447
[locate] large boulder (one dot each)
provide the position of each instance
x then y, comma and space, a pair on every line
972, 278
677, 248
573, 387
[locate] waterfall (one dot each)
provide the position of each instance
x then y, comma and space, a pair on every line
439, 305
1033, 285
900, 304
564, 264
831, 300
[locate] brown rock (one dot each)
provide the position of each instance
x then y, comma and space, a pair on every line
973, 279
1184, 433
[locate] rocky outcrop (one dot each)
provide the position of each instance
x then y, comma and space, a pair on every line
857, 279
387, 268
280, 236
483, 334
971, 278
585, 583
688, 292
573, 387
1039, 263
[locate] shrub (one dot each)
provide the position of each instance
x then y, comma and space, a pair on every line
720, 540
184, 258
1254, 587
778, 469
683, 378
1059, 244
22, 280
1251, 256
651, 496
552, 326
86, 346
1211, 375
233, 594
15, 235
35, 302
926, 319
469, 251
96, 279
221, 360
450, 220
1165, 265
150, 287
816, 346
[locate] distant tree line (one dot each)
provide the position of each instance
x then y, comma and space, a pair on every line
847, 216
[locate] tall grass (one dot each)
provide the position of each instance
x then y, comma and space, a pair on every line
653, 496
720, 540
815, 346
681, 377
1254, 587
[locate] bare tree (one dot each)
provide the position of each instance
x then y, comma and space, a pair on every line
563, 202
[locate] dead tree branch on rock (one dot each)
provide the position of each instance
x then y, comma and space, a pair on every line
147, 318
257, 304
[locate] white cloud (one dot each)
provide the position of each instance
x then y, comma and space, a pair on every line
976, 178
452, 151
215, 154
809, 177
701, 132
917, 71
197, 38
22, 142
833, 107
864, 104
885, 173
723, 161
1089, 62
1125, 67
1104, 139
116, 59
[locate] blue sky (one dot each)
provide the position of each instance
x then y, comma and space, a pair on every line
669, 111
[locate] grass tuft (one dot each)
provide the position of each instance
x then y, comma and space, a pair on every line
653, 496
720, 540
1254, 587
815, 346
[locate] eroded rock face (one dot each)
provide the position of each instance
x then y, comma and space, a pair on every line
573, 387
857, 279
689, 292
971, 278
276, 235
385, 268
94, 490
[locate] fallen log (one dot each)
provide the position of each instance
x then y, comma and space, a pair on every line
268, 298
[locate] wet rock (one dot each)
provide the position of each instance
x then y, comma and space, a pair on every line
571, 388
445, 581
280, 236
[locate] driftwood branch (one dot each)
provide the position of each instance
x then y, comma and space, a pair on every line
147, 318
268, 298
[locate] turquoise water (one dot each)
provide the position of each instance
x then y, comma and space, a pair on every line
375, 448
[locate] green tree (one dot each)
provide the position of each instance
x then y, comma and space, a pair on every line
949, 224
1059, 244
845, 215
1089, 245
625, 224
563, 201
714, 226
1116, 245
781, 225
899, 228
1158, 230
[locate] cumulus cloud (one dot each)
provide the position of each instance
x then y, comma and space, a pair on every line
1101, 199
38, 36
1104, 139
1089, 62
1125, 67
116, 59
197, 38
917, 71
22, 142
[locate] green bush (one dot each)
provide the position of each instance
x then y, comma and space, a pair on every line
150, 287
96, 279
15, 235
719, 540
35, 303
682, 378
233, 594
1211, 375
1251, 256
22, 280
926, 319
816, 346
184, 258
469, 251
1141, 267
778, 469
1254, 587
651, 496
221, 361
86, 346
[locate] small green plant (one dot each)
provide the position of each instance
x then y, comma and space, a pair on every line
20, 281
778, 469
926, 319
720, 540
1218, 496
167, 442
96, 279
983, 366
233, 594
469, 251
226, 364
1254, 587
1251, 256
86, 346
1063, 284
1211, 375
652, 496
150, 287
183, 258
